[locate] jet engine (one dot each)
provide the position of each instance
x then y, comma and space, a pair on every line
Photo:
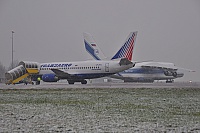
49, 78
174, 74
169, 73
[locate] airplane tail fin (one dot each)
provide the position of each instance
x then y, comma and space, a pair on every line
92, 48
126, 51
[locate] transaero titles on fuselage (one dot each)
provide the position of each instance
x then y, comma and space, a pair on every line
56, 65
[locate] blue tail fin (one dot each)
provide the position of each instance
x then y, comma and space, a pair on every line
92, 48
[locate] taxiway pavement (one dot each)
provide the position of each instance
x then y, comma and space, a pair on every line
63, 85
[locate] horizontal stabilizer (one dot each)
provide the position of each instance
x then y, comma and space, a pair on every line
125, 61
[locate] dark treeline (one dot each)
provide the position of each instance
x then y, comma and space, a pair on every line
4, 69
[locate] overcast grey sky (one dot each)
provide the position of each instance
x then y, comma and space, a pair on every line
52, 30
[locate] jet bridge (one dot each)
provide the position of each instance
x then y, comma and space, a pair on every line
23, 70
31, 67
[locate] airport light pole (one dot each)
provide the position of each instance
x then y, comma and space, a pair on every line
12, 47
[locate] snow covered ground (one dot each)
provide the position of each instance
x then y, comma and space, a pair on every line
100, 110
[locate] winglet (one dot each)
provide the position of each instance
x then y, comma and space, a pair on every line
126, 51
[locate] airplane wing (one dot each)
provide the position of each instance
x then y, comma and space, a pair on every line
158, 65
188, 70
165, 66
116, 76
62, 74
169, 70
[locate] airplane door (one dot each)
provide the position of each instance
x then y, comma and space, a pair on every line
107, 67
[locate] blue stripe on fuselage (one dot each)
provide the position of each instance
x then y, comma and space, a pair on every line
91, 50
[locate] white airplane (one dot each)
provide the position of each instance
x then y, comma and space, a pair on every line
141, 72
150, 71
72, 71
79, 71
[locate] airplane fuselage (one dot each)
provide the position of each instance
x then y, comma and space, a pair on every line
84, 69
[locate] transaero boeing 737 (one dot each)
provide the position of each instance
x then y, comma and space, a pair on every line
79, 71
141, 72
72, 71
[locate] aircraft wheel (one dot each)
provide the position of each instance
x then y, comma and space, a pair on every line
71, 82
37, 82
169, 81
84, 82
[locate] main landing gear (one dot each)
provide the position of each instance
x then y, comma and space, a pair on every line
170, 81
84, 82
72, 82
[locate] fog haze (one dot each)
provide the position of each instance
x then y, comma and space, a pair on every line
49, 30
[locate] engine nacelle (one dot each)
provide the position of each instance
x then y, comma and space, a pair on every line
49, 78
168, 73
174, 74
